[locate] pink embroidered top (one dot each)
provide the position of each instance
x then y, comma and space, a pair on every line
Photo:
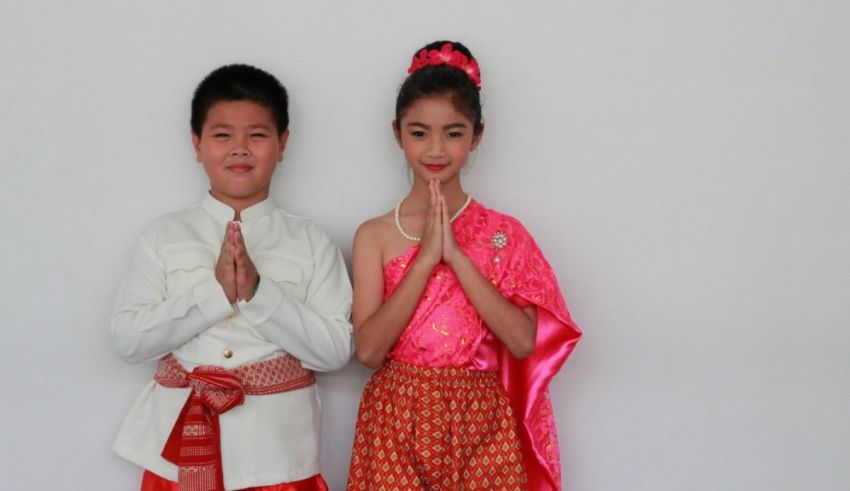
447, 331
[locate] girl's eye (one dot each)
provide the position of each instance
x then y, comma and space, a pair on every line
455, 134
417, 133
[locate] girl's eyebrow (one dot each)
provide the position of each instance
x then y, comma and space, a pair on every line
455, 125
446, 127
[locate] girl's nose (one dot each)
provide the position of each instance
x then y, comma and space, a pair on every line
436, 147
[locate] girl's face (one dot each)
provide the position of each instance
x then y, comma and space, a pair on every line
436, 138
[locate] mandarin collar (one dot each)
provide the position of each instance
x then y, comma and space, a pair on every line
225, 213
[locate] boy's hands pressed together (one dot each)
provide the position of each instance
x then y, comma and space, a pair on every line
247, 277
234, 270
225, 267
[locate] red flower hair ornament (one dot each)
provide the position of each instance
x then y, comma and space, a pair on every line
447, 56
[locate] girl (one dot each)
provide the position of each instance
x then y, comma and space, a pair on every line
458, 307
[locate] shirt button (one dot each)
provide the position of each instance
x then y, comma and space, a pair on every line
227, 353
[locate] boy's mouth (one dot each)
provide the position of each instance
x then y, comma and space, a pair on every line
240, 168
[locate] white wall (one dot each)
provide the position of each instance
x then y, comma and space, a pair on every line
682, 163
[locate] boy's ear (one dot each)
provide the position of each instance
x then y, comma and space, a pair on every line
281, 144
396, 132
476, 138
196, 144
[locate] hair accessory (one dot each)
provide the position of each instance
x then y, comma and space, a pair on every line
447, 56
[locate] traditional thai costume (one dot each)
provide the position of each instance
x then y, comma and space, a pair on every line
233, 404
451, 408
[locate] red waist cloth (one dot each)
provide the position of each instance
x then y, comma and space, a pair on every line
194, 444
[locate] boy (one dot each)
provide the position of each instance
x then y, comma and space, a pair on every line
240, 301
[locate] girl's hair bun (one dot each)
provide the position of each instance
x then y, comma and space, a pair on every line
449, 56
448, 69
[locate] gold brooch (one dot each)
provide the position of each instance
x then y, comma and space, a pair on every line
498, 241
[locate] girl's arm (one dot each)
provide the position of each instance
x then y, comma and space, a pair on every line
516, 328
378, 324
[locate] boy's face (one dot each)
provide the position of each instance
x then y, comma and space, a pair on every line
239, 147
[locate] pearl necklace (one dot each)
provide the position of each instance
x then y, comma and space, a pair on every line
414, 238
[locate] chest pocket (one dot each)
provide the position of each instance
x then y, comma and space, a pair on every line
286, 272
187, 266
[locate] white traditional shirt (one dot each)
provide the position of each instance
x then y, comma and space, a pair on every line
170, 301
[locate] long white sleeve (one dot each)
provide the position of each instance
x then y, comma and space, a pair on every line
316, 330
171, 302
148, 322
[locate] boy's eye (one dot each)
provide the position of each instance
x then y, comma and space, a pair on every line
258, 135
220, 135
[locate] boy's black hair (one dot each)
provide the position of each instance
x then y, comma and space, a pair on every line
442, 80
240, 82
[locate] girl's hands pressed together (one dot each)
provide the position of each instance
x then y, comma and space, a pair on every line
431, 245
451, 252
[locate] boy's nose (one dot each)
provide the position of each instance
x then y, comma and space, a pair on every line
239, 151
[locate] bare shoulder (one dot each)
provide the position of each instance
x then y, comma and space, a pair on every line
375, 231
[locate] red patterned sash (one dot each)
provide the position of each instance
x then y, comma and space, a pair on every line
194, 444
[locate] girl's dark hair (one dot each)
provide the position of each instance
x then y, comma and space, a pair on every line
442, 80
240, 83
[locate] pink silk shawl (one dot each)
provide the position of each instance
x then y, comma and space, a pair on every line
446, 330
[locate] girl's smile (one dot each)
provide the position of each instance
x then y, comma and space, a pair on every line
436, 138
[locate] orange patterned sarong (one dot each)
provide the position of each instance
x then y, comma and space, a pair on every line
437, 429
153, 482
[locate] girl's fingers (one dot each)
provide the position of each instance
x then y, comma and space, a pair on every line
445, 215
436, 208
